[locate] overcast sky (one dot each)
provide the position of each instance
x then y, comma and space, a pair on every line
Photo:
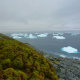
39, 15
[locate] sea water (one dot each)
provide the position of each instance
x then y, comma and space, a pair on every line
58, 44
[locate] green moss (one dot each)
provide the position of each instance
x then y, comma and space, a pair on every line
23, 76
10, 73
1, 68
55, 61
20, 62
36, 76
6, 63
10, 78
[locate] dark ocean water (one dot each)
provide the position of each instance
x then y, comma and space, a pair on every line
53, 46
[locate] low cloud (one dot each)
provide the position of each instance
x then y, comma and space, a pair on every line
38, 15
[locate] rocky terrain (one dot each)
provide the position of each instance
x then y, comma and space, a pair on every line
18, 61
66, 68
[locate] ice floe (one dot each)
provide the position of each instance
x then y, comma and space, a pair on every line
16, 37
36, 33
63, 56
31, 36
25, 35
74, 34
42, 35
69, 49
56, 34
61, 33
76, 58
17, 34
58, 37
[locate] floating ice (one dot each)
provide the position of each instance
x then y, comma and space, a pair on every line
36, 33
69, 49
74, 34
61, 33
55, 34
63, 56
76, 58
15, 37
42, 35
14, 34
25, 35
58, 37
32, 36
17, 34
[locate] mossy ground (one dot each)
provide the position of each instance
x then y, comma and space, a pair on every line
20, 62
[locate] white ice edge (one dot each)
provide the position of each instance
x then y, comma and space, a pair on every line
69, 49
58, 37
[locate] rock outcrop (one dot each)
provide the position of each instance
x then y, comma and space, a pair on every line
66, 68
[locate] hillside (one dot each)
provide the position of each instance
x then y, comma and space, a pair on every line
20, 62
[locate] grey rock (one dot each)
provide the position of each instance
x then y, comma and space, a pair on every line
66, 68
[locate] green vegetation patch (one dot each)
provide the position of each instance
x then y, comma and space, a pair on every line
20, 62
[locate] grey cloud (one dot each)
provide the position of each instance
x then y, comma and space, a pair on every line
37, 15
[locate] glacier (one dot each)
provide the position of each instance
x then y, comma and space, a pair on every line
58, 37
69, 49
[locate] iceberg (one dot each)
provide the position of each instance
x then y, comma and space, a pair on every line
74, 34
76, 58
69, 49
55, 34
61, 33
36, 33
42, 35
14, 34
17, 34
31, 36
15, 37
58, 37
25, 35
64, 56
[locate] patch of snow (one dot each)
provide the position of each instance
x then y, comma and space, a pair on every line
69, 49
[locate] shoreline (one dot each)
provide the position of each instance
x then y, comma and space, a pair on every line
54, 55
66, 68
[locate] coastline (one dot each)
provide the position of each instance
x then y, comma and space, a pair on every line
66, 68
